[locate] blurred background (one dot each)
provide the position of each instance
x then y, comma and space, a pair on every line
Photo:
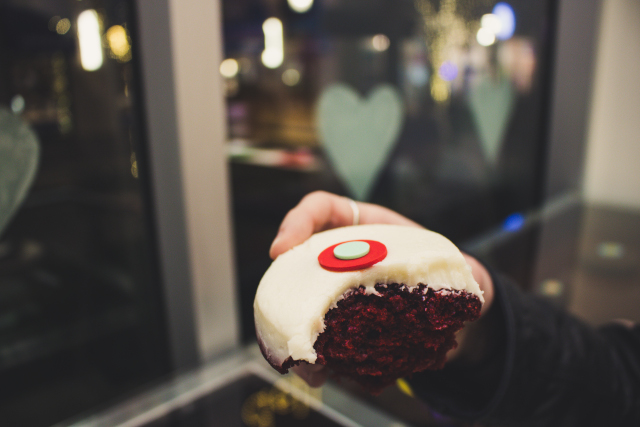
150, 148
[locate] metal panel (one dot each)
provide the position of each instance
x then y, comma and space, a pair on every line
574, 63
166, 180
573, 76
196, 41
180, 46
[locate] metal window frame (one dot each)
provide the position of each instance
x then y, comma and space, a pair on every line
577, 32
186, 131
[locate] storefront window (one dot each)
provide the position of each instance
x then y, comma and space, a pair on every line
434, 108
80, 302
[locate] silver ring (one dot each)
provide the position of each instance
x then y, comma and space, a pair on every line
356, 211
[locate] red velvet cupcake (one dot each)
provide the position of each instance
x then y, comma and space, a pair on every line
373, 303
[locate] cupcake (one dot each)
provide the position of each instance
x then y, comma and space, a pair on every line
373, 303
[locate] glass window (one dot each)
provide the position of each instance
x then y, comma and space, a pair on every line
434, 108
80, 301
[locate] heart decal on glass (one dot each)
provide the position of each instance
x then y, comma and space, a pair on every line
19, 152
358, 134
492, 104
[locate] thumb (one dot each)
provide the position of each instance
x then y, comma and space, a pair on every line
295, 229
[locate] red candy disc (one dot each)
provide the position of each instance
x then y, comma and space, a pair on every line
377, 253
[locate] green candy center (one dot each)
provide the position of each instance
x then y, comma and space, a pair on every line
351, 250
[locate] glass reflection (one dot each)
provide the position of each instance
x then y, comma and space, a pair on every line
80, 304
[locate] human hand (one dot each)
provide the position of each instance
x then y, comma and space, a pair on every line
319, 211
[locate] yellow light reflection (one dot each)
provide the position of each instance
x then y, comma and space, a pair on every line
229, 68
63, 26
89, 39
119, 43
404, 387
447, 34
439, 89
259, 409
551, 288
273, 54
134, 165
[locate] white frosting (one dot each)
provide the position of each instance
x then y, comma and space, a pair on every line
296, 292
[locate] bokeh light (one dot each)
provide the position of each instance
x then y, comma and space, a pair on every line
300, 6
380, 42
610, 250
439, 89
90, 41
119, 43
63, 26
507, 18
485, 37
491, 22
229, 68
291, 77
551, 288
273, 54
448, 71
518, 59
513, 222
17, 104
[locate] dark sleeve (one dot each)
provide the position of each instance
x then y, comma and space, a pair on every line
537, 365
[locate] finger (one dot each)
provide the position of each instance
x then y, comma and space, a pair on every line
316, 212
482, 276
320, 211
314, 375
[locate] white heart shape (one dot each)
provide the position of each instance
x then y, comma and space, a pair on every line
491, 104
358, 134
19, 152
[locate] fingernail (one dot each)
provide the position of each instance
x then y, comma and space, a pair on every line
277, 238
